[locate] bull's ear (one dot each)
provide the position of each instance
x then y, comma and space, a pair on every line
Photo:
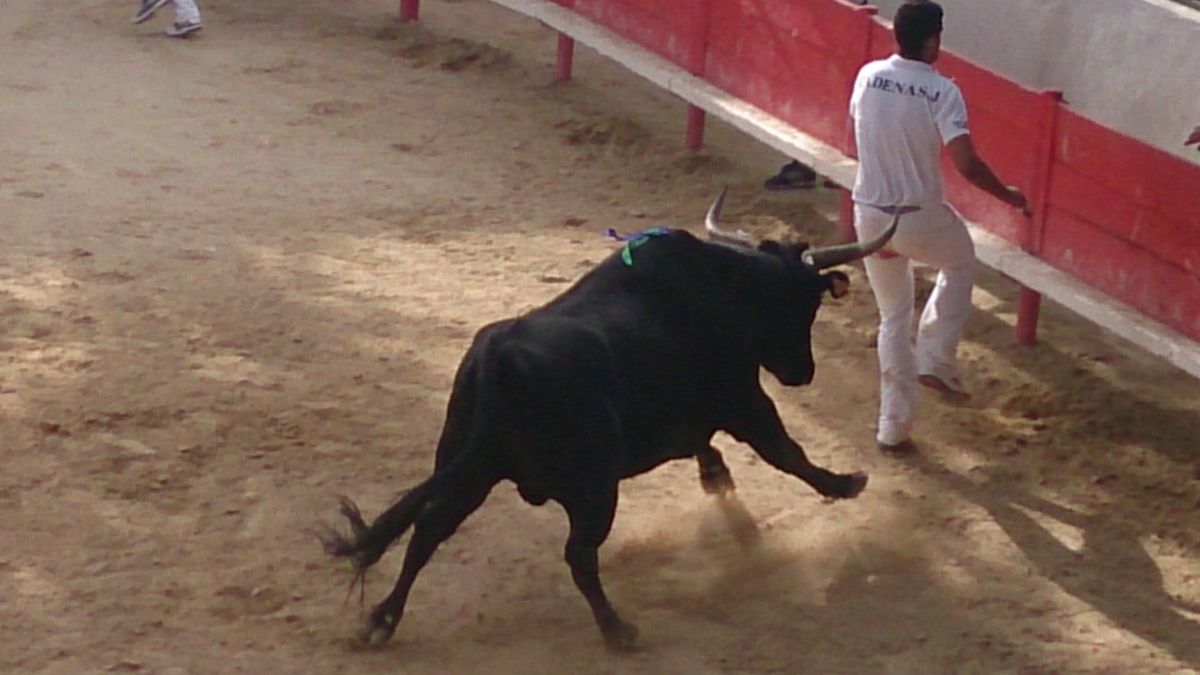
837, 283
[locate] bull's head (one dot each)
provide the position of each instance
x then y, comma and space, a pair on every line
816, 258
788, 303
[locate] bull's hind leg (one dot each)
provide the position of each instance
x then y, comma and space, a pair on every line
591, 515
438, 520
714, 475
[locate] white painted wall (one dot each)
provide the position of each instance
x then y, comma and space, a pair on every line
1132, 65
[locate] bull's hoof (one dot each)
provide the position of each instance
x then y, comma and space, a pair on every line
620, 637
849, 486
376, 632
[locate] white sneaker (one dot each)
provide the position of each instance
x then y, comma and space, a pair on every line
184, 29
147, 10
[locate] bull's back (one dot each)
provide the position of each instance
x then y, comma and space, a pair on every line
627, 353
535, 394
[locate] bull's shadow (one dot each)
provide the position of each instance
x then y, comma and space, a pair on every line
1111, 571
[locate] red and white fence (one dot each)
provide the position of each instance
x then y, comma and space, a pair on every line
1115, 234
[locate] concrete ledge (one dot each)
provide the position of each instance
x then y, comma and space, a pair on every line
991, 250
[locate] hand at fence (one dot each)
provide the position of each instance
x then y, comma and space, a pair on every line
1017, 200
1194, 138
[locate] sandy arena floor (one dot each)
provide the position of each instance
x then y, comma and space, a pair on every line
237, 273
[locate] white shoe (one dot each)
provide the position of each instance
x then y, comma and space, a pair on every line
184, 29
147, 10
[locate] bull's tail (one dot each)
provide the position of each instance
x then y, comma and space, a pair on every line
366, 545
465, 474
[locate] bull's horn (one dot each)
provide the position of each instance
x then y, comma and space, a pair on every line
715, 233
828, 256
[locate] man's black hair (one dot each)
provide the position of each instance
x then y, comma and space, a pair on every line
916, 21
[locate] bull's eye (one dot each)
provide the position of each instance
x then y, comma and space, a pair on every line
839, 284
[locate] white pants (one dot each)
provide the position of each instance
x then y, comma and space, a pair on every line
186, 11
936, 236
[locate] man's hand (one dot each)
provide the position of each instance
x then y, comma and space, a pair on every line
979, 174
1017, 200
1194, 138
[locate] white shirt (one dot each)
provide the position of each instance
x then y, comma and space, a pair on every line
903, 111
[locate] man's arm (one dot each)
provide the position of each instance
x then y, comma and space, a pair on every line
978, 173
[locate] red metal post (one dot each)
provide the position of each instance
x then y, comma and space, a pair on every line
699, 56
1031, 236
565, 61
409, 9
566, 58
695, 127
1029, 303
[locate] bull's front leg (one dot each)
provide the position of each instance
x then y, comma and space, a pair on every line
757, 424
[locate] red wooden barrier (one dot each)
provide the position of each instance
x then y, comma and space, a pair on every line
677, 31
796, 60
1109, 210
1125, 218
674, 30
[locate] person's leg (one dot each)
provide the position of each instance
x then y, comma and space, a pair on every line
892, 283
937, 237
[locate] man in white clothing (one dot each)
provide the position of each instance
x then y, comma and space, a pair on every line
187, 16
904, 111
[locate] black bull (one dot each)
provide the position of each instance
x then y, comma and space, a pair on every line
634, 365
